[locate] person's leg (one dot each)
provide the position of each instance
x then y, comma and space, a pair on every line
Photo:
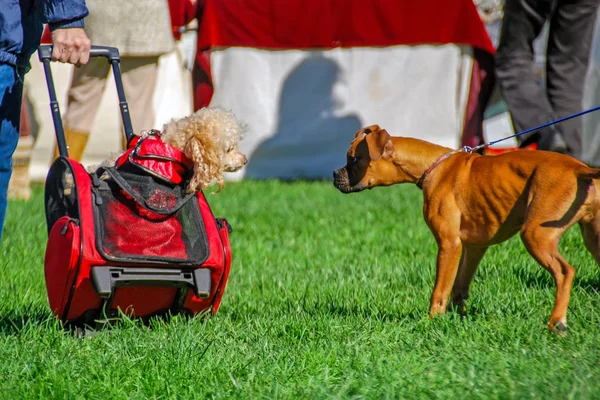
139, 82
522, 91
569, 43
11, 92
84, 97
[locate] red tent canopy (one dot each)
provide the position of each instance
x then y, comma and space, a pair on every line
298, 24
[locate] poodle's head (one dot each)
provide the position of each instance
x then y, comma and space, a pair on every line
209, 137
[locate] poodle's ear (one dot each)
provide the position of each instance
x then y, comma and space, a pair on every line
195, 150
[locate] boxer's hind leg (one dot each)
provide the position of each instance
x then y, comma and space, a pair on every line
552, 210
542, 244
591, 236
547, 219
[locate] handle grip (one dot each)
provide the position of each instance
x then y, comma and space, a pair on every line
110, 53
112, 56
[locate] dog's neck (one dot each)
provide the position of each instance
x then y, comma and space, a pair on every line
413, 157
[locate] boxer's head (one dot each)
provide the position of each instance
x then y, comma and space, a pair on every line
367, 160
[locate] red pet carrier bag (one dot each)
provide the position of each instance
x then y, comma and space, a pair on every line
129, 237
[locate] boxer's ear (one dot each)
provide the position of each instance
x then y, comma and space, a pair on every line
380, 145
365, 131
361, 133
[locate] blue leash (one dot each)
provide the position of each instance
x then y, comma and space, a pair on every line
481, 146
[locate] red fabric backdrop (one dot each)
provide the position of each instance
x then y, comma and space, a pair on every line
298, 24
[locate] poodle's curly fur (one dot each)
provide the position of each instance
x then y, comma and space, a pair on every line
209, 137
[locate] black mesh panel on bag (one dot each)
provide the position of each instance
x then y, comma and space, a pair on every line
60, 193
150, 221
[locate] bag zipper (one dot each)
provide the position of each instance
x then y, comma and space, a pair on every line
64, 229
222, 223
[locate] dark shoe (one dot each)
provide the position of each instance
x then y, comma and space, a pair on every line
552, 142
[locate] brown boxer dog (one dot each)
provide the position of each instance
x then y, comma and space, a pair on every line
472, 202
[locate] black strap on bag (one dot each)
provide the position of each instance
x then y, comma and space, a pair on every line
118, 178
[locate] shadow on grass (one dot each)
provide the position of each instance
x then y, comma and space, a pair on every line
539, 278
591, 286
18, 323
14, 323
543, 280
358, 310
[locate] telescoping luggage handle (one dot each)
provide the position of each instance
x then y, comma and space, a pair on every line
112, 56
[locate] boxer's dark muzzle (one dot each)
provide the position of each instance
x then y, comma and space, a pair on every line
342, 182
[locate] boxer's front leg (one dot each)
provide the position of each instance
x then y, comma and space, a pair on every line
448, 258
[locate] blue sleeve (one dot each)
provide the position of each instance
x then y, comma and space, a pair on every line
64, 13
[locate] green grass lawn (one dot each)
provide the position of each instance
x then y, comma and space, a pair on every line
327, 298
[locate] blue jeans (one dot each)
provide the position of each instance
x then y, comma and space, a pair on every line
11, 94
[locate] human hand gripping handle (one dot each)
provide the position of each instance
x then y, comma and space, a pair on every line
46, 52
70, 45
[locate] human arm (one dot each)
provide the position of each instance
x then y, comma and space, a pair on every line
70, 43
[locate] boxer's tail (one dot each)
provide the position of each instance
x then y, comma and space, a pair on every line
589, 173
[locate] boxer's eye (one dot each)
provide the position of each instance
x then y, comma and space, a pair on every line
352, 160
